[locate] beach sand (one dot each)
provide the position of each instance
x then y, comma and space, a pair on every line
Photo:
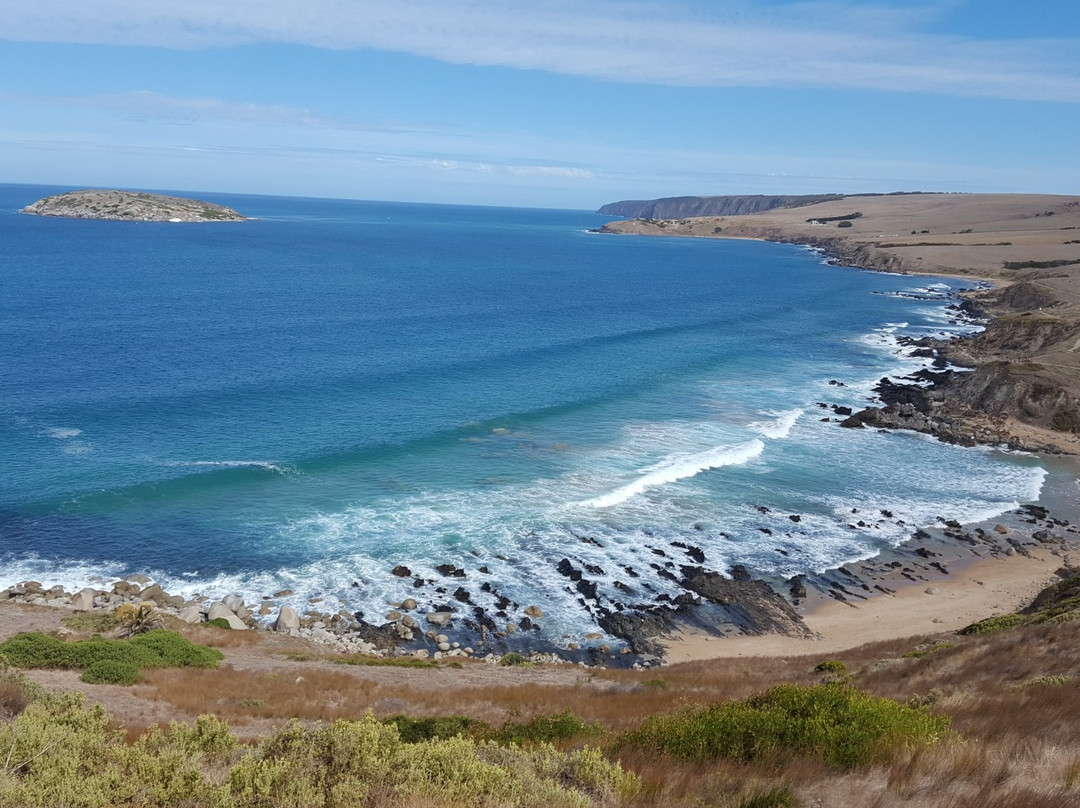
983, 589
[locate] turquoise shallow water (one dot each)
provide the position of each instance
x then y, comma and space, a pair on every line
307, 400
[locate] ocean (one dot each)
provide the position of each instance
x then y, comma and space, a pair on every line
308, 400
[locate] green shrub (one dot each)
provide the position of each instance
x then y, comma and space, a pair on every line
844, 224
835, 723
219, 622
111, 672
546, 728
514, 659
415, 730
155, 649
656, 684
992, 624
830, 666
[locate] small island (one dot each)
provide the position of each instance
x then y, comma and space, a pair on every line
131, 206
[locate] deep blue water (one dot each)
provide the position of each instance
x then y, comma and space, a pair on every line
305, 400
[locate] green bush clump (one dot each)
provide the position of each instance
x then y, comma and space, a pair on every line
155, 649
427, 728
219, 622
111, 672
832, 722
514, 659
546, 729
830, 666
992, 624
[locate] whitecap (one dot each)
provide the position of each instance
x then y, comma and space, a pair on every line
778, 429
61, 432
680, 467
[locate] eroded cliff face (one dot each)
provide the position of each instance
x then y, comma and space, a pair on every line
679, 207
1020, 379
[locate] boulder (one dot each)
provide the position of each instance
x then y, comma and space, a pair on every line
191, 614
155, 594
234, 602
534, 611
440, 618
287, 620
139, 578
84, 600
219, 609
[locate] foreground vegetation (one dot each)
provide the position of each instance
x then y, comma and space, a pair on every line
986, 717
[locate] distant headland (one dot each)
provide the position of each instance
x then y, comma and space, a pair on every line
131, 206
1025, 392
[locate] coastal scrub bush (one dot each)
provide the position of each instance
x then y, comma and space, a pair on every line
219, 622
513, 659
16, 691
155, 649
427, 728
349, 762
111, 672
132, 619
832, 722
61, 752
546, 729
830, 666
992, 624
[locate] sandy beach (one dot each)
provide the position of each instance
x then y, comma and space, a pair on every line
983, 589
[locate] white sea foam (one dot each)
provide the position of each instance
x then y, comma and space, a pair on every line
680, 467
61, 432
779, 428
263, 464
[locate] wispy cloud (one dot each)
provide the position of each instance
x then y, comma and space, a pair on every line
152, 106
829, 43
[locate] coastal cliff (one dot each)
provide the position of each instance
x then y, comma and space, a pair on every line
676, 207
1024, 390
131, 206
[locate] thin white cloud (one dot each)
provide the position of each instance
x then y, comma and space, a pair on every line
829, 43
152, 106
557, 171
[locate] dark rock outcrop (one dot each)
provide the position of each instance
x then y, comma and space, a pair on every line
751, 604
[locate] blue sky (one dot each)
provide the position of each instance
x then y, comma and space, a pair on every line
548, 103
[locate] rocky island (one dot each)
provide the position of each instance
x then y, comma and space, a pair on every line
131, 206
